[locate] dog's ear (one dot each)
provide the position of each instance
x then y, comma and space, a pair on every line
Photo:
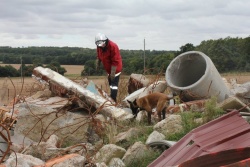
134, 102
129, 101
133, 107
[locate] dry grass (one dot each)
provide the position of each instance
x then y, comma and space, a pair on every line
10, 87
241, 77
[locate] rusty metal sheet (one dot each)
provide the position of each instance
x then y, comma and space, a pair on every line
230, 131
243, 163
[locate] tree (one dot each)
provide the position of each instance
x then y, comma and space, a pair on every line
8, 71
187, 47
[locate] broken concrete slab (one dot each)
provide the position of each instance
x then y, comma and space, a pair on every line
137, 81
52, 102
234, 103
42, 94
158, 86
133, 96
242, 91
229, 85
102, 104
39, 123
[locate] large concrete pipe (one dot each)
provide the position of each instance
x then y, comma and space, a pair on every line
194, 76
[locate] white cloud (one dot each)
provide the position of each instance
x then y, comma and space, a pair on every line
166, 25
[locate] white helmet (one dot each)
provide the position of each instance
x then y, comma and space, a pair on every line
100, 40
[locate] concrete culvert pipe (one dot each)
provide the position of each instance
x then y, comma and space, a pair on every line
194, 75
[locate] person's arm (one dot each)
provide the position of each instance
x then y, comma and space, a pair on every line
97, 64
112, 73
115, 56
98, 61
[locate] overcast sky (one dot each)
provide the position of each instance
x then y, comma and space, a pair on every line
165, 24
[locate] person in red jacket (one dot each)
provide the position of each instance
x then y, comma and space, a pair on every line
109, 54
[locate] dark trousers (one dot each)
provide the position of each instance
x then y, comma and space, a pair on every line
114, 87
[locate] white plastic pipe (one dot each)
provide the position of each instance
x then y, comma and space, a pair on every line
194, 76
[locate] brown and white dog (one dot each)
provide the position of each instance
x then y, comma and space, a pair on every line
157, 100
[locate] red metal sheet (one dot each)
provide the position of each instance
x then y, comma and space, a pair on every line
230, 131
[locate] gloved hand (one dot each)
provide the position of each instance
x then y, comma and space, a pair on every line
112, 74
97, 64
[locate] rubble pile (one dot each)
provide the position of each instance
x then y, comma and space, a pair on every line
64, 124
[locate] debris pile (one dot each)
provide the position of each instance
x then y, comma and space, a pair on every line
65, 123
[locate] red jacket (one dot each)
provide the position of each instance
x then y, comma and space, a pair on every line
110, 56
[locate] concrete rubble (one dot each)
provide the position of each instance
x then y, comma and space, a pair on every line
64, 123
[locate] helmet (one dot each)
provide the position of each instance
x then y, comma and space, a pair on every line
100, 40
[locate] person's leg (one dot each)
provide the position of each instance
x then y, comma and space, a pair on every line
114, 87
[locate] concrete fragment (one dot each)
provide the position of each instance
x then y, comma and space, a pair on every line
134, 152
40, 150
196, 105
242, 91
108, 152
170, 125
75, 160
17, 159
229, 85
234, 103
38, 123
52, 102
102, 164
125, 136
155, 136
116, 162
142, 116
42, 94
158, 86
136, 81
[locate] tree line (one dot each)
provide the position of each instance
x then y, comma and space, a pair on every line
228, 55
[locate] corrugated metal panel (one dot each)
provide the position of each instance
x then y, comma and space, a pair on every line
230, 131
